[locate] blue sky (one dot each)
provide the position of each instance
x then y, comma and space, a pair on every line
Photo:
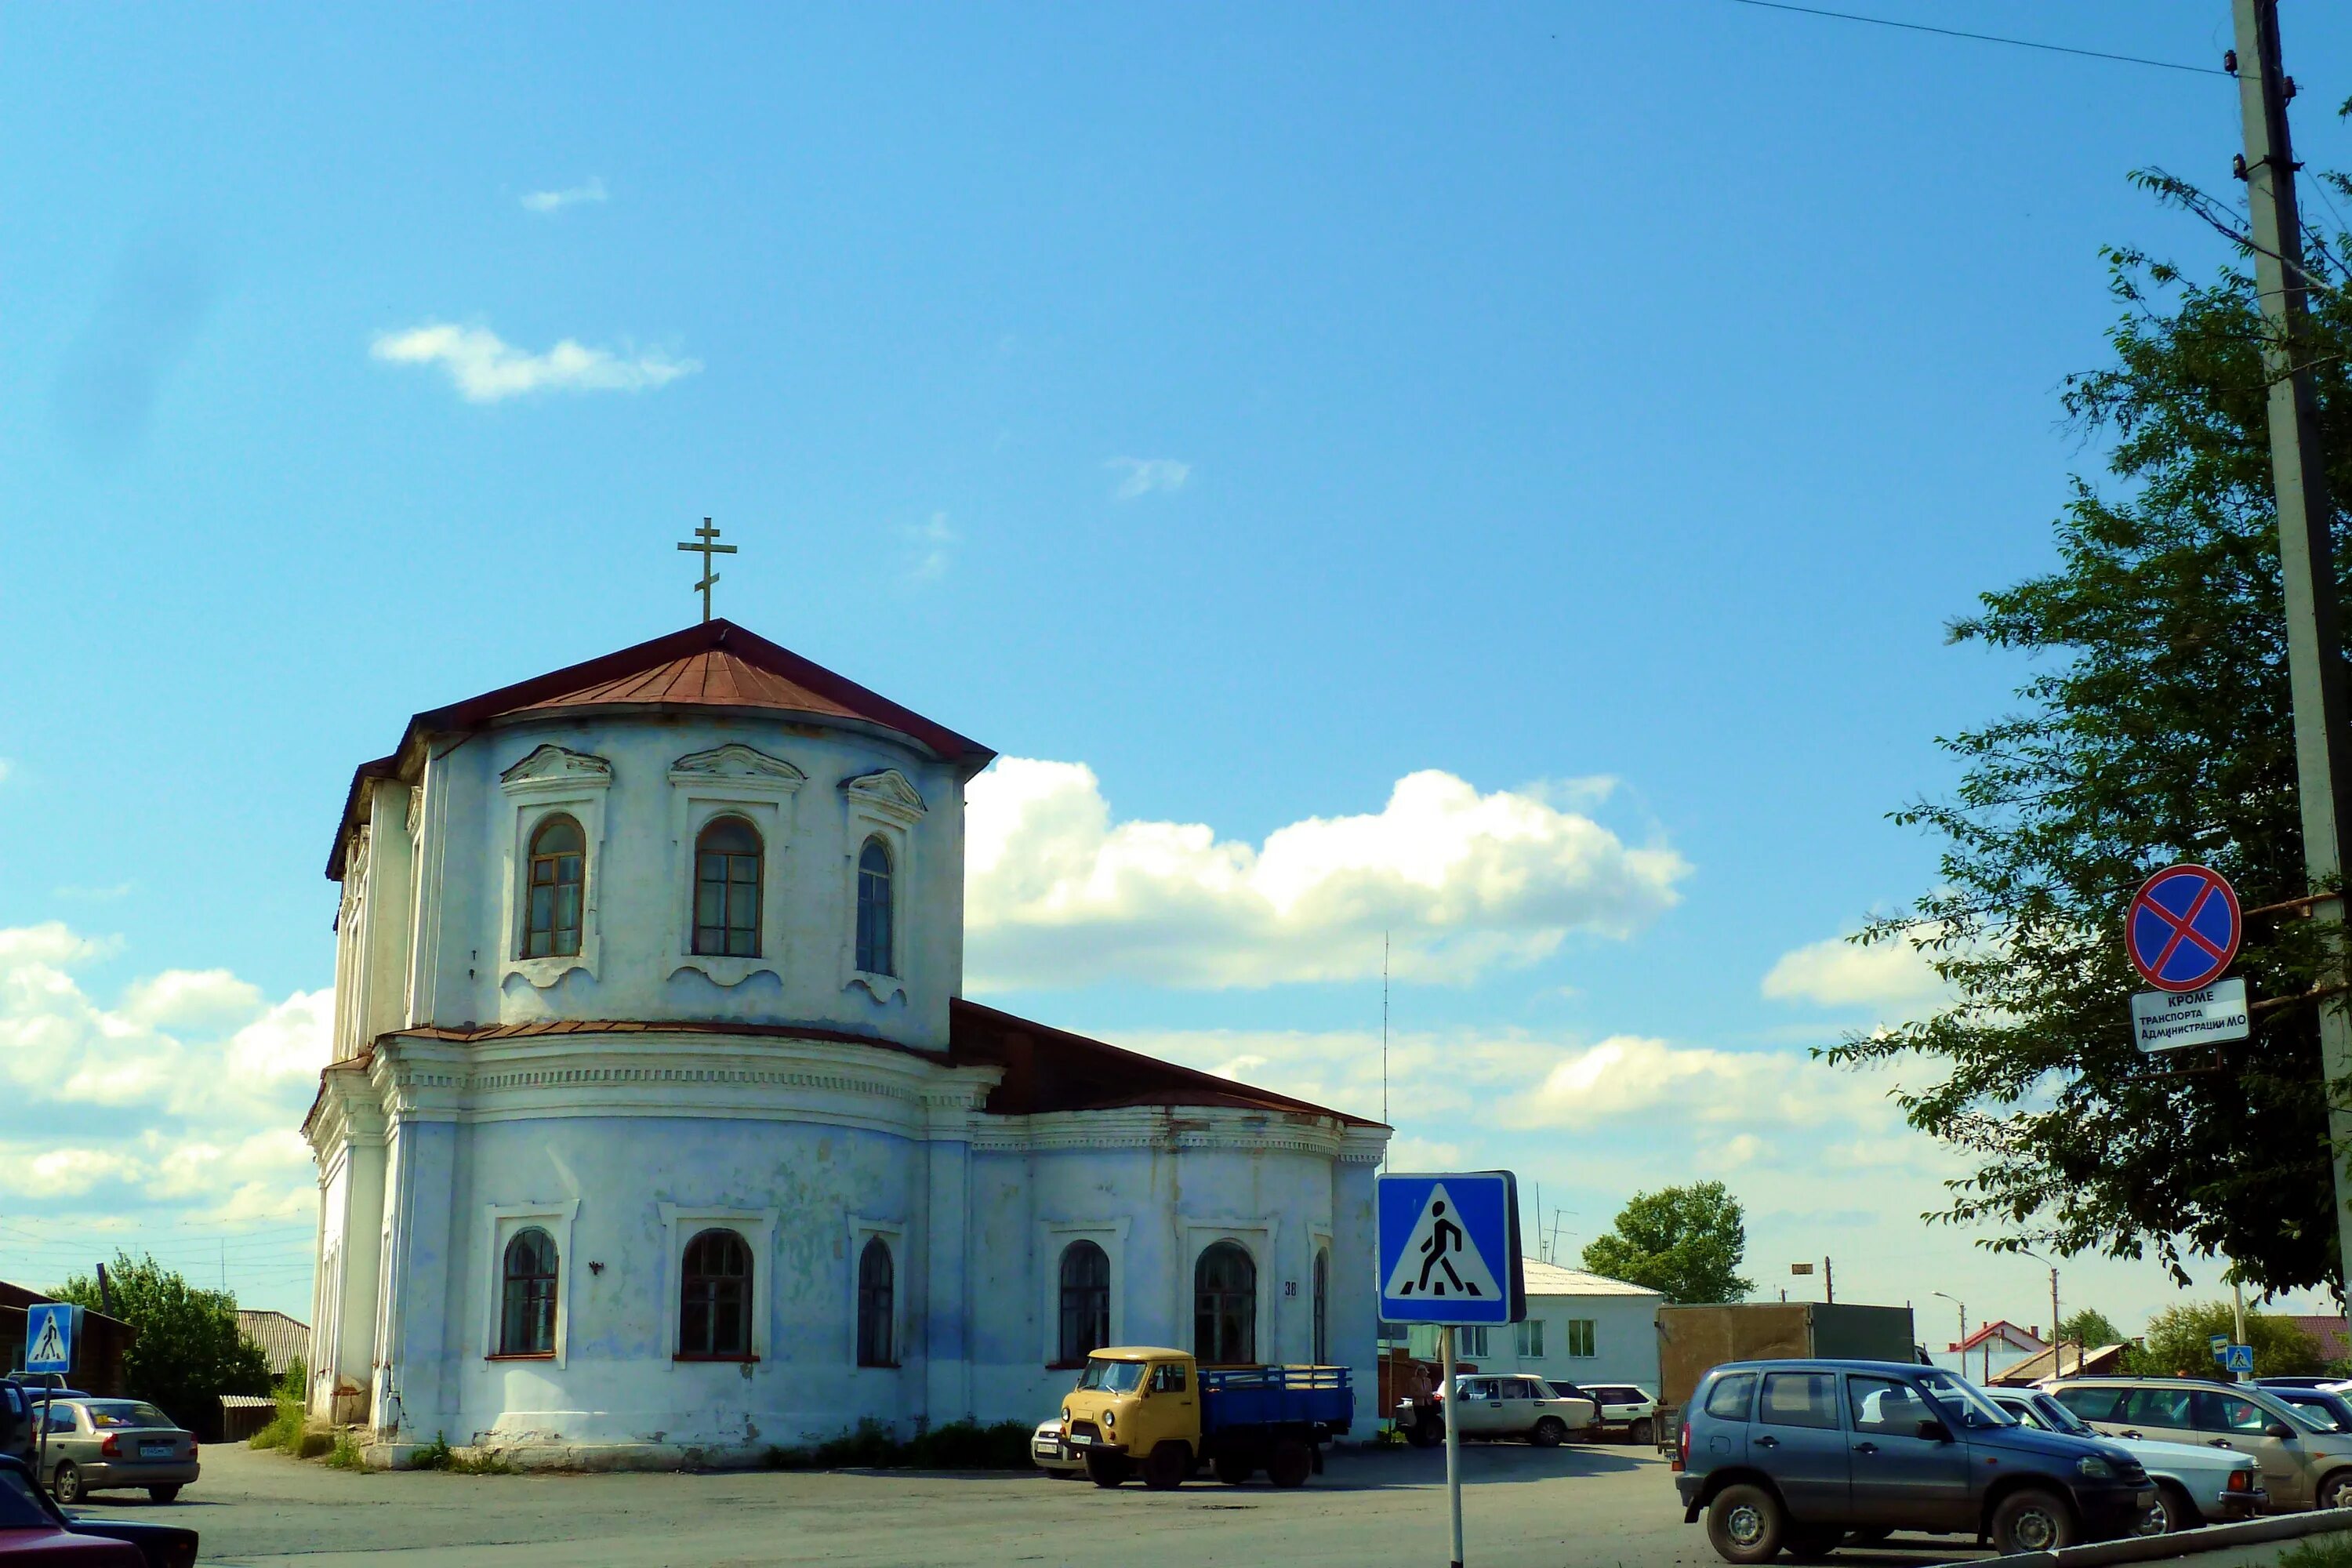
1257, 406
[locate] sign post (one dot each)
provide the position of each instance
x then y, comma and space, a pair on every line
1449, 1255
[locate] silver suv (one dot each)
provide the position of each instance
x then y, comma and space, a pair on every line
2303, 1464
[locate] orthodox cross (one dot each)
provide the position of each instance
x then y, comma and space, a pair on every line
707, 550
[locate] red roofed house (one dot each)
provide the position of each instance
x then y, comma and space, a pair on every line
1991, 1350
2334, 1335
658, 1133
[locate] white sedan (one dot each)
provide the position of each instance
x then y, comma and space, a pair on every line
1494, 1408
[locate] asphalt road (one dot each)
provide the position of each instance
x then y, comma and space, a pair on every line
1593, 1507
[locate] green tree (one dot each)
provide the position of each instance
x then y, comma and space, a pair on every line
2155, 726
1685, 1241
2091, 1328
188, 1352
2180, 1339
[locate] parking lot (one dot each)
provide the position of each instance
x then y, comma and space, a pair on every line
1526, 1508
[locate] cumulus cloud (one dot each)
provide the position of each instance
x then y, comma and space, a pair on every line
1139, 477
1058, 893
933, 542
201, 1081
546, 203
1837, 972
485, 368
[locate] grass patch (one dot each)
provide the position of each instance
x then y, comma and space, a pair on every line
285, 1428
438, 1456
957, 1446
345, 1453
2319, 1552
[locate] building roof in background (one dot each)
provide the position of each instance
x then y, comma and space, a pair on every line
283, 1340
713, 664
1552, 1279
2334, 1334
2072, 1362
2001, 1331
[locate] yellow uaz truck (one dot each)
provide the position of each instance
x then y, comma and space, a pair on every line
1148, 1409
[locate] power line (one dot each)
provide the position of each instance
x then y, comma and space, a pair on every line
1980, 38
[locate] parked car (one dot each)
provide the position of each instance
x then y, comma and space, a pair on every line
2302, 1465
2325, 1406
2195, 1484
1047, 1450
1622, 1410
35, 1531
16, 1421
1494, 1409
106, 1445
1797, 1455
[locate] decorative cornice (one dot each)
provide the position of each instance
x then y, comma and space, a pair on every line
888, 792
552, 763
1178, 1128
737, 763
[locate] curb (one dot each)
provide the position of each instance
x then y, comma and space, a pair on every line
2182, 1543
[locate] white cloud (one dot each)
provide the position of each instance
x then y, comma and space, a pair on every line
485, 368
933, 543
4, 770
201, 1083
1058, 894
1837, 972
550, 201
1142, 476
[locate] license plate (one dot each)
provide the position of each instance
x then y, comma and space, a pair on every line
162, 1450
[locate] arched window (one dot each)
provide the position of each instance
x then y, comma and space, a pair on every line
874, 932
558, 856
1322, 1306
1224, 1306
527, 1311
874, 1305
727, 889
1085, 1301
714, 1318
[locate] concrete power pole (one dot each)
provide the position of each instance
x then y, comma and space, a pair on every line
2323, 723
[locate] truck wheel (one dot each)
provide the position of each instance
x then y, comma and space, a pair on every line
65, 1485
2032, 1520
1108, 1469
1644, 1432
1233, 1471
1166, 1467
1290, 1463
1744, 1524
1550, 1433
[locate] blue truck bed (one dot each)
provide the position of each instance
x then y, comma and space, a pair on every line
1277, 1396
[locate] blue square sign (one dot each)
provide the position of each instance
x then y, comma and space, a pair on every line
2239, 1358
1449, 1249
50, 1330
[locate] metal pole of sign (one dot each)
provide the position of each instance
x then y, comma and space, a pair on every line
1452, 1438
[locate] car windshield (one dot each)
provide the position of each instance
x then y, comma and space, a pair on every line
1965, 1399
1116, 1376
105, 1414
2324, 1412
2061, 1419
20, 1506
2296, 1414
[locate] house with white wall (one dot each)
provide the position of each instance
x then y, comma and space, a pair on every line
1581, 1328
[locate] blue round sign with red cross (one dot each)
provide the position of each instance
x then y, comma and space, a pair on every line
2183, 927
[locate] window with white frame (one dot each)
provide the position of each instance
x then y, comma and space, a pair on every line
1471, 1343
1580, 1338
731, 824
559, 830
1529, 1335
882, 810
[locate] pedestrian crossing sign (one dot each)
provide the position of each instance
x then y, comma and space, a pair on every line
50, 1330
1449, 1249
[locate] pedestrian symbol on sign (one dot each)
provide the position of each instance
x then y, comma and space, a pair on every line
50, 1346
1439, 1259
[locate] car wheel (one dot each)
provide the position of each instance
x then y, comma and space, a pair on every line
1233, 1471
1744, 1524
1290, 1463
1108, 1469
163, 1494
1164, 1470
65, 1482
1550, 1433
1811, 1542
1643, 1432
1425, 1434
2032, 1520
2335, 1491
2173, 1512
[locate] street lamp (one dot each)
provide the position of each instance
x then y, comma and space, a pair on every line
1963, 1306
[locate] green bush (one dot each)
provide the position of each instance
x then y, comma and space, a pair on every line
957, 1446
2319, 1552
434, 1456
311, 1445
345, 1453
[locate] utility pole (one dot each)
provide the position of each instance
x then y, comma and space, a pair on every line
1828, 1283
2323, 725
2055, 1339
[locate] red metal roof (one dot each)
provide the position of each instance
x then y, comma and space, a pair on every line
715, 664
1045, 1069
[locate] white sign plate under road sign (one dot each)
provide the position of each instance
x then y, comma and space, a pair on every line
2169, 1020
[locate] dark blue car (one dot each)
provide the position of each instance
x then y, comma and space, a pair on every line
1800, 1455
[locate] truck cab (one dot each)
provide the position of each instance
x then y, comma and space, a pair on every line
1152, 1409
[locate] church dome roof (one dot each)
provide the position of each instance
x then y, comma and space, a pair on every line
714, 665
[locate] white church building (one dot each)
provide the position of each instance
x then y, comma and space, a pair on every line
658, 1132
